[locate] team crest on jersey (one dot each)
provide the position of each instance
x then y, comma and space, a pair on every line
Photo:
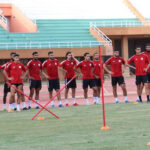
19, 66
90, 64
14, 67
55, 63
99, 64
39, 65
141, 58
71, 63
119, 60
34, 64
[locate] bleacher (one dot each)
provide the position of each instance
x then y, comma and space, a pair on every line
60, 33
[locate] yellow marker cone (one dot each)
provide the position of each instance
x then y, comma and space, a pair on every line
105, 128
148, 144
41, 118
136, 102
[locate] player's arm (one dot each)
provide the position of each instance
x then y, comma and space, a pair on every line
128, 65
77, 62
45, 75
106, 69
6, 75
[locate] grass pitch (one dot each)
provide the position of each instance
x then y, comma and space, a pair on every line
78, 129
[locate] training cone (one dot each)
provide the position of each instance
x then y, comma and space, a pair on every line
136, 102
10, 111
148, 144
41, 118
105, 128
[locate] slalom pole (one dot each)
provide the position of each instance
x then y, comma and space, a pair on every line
102, 89
53, 97
32, 100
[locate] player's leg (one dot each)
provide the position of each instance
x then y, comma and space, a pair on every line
11, 99
38, 86
57, 88
85, 88
32, 89
23, 101
5, 96
140, 92
121, 82
50, 89
114, 87
96, 94
66, 93
93, 86
138, 84
73, 86
19, 96
146, 85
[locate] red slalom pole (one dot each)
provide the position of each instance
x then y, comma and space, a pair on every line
32, 99
53, 98
102, 89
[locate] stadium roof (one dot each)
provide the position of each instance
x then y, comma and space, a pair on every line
73, 9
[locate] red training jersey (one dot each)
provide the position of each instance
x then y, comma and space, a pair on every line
148, 55
16, 70
69, 65
97, 68
51, 68
86, 69
115, 65
140, 61
35, 67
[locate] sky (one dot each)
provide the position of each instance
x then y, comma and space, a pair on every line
79, 9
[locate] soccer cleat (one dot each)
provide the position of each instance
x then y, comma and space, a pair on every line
126, 101
137, 100
3, 109
10, 111
29, 107
37, 107
24, 108
60, 105
18, 110
117, 102
148, 102
67, 105
15, 109
53, 106
75, 104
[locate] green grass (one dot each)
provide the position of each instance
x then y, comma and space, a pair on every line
78, 129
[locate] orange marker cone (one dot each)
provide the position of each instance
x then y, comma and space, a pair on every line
148, 144
105, 128
41, 118
136, 102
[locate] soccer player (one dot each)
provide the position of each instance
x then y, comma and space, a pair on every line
116, 63
6, 87
16, 70
86, 67
141, 63
51, 74
68, 65
34, 68
97, 78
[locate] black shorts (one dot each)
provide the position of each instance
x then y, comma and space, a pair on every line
97, 82
36, 84
53, 84
148, 76
141, 79
6, 88
16, 84
88, 82
72, 84
119, 80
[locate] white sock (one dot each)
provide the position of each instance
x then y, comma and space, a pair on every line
87, 101
4, 105
18, 107
95, 100
66, 101
73, 100
37, 102
60, 102
23, 104
52, 102
126, 98
14, 105
10, 106
116, 98
29, 103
